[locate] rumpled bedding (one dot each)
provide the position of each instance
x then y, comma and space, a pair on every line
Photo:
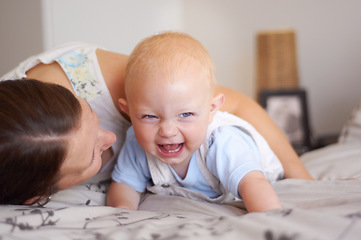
326, 209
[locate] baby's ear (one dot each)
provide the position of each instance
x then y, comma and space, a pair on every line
123, 105
217, 103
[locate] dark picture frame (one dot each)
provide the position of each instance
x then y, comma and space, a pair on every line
288, 109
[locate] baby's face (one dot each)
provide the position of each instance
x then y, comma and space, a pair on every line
170, 117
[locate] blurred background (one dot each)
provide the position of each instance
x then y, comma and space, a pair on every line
327, 37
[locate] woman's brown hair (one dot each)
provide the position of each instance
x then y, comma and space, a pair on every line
35, 120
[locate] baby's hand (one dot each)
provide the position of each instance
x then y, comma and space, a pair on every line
258, 195
122, 196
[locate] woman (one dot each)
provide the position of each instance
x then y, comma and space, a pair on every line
49, 140
97, 76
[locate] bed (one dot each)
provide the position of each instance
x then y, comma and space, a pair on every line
326, 209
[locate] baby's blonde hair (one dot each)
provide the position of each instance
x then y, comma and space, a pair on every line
170, 49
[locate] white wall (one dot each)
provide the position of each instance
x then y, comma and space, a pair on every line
20, 31
329, 48
328, 34
115, 24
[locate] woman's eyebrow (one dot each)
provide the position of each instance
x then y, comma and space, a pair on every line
91, 109
93, 154
93, 158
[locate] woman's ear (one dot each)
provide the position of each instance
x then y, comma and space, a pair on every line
41, 201
216, 104
123, 105
31, 201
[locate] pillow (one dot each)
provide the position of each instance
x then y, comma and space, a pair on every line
351, 131
334, 161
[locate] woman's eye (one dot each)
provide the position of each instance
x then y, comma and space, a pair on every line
188, 114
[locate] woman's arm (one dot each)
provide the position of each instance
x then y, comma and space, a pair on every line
249, 110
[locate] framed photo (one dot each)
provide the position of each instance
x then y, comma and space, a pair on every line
288, 108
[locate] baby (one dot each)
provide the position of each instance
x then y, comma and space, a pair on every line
180, 144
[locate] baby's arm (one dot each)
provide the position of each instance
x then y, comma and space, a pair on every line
122, 196
258, 195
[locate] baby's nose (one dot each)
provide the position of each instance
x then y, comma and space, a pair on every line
168, 129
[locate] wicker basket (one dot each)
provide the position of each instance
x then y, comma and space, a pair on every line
276, 60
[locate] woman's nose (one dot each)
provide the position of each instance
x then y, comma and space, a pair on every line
108, 138
168, 129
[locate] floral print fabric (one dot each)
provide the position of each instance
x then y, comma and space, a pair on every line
76, 64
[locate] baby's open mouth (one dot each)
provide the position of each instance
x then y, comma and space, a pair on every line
170, 148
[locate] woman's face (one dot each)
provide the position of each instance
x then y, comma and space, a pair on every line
86, 146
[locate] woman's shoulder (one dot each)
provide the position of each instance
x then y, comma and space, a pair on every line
113, 66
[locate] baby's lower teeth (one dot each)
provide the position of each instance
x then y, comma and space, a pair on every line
166, 149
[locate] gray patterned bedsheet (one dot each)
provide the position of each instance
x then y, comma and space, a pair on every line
324, 209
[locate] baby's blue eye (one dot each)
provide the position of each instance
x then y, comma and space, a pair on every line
150, 116
188, 114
